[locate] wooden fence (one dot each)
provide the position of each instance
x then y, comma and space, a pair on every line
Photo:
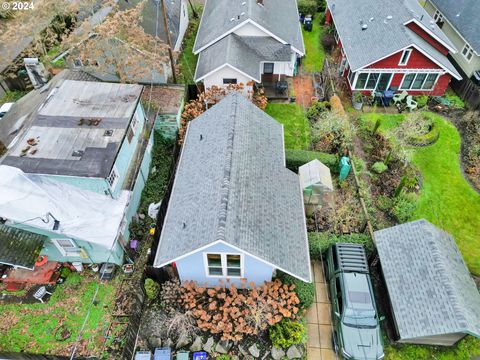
468, 91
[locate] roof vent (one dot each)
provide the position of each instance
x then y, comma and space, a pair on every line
389, 17
371, 19
232, 19
260, 2
364, 27
78, 153
244, 3
108, 133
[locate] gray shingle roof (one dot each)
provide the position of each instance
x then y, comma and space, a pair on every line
242, 52
382, 37
463, 15
278, 17
19, 247
429, 285
232, 185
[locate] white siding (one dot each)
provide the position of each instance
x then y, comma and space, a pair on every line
183, 25
226, 72
250, 30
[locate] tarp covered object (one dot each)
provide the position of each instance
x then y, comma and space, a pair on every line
83, 215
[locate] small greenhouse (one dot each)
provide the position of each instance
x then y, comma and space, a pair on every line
316, 180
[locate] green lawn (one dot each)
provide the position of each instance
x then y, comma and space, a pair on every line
315, 54
32, 327
446, 199
296, 127
12, 96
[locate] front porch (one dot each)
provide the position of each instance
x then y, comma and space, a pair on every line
275, 87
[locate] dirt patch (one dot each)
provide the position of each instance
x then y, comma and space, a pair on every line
304, 92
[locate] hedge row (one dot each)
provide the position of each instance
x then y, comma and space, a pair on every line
319, 242
426, 139
297, 158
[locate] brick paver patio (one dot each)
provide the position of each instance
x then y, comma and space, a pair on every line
319, 324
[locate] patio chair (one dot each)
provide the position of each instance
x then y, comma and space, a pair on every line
411, 104
40, 293
398, 98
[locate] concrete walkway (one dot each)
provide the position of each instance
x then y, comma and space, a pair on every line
319, 345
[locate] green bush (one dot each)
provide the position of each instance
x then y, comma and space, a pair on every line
305, 291
404, 207
297, 158
319, 242
151, 288
223, 357
421, 100
317, 108
426, 139
287, 333
384, 203
455, 101
379, 167
307, 7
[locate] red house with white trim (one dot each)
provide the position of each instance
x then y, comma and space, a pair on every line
391, 44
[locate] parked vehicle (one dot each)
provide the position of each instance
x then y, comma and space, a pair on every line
5, 108
356, 324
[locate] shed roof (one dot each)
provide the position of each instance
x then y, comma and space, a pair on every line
315, 173
463, 15
277, 17
386, 32
19, 247
64, 124
232, 186
429, 285
243, 53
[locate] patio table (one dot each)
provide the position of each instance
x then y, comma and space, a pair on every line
387, 97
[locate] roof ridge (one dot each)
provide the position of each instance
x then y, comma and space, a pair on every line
227, 172
445, 271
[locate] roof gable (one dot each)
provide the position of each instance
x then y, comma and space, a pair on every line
386, 32
429, 285
463, 16
277, 18
232, 186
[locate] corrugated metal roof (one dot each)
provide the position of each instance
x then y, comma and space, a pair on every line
428, 283
232, 185
70, 130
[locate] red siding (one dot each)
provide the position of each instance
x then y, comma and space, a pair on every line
328, 17
417, 29
416, 61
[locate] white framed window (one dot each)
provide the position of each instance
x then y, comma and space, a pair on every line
437, 16
223, 265
67, 247
467, 52
351, 77
419, 81
373, 81
405, 56
229, 81
134, 123
112, 179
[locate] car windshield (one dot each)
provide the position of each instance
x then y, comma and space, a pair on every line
360, 318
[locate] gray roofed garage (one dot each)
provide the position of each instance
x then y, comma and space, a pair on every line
232, 185
434, 299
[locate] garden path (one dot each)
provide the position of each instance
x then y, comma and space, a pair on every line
303, 85
319, 323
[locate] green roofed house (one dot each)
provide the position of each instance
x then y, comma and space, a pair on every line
235, 213
433, 299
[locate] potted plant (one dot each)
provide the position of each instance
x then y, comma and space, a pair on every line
357, 100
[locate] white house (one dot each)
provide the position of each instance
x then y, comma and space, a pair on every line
248, 41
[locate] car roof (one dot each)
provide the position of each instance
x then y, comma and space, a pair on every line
358, 291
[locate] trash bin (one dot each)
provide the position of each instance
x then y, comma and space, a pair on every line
200, 355
162, 354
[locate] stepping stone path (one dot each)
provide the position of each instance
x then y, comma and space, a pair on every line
319, 323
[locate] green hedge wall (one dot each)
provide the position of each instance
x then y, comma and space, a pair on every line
297, 158
426, 139
319, 242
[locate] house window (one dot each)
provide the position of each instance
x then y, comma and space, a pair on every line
351, 76
405, 56
373, 81
112, 179
420, 81
438, 17
229, 265
77, 63
361, 81
67, 247
229, 81
268, 68
467, 52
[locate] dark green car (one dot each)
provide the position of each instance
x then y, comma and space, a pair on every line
356, 323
